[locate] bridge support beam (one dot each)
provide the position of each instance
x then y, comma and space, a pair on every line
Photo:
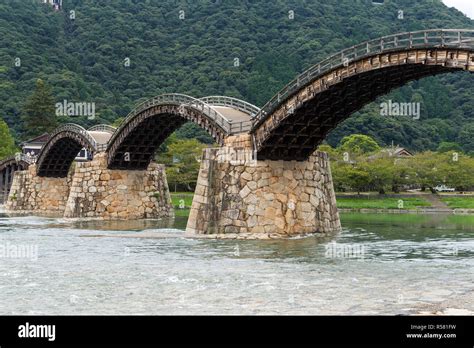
262, 199
32, 194
98, 192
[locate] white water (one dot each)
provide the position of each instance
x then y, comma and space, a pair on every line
405, 268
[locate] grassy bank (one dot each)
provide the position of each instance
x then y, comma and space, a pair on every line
381, 203
458, 202
182, 202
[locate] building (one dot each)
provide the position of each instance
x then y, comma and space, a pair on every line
33, 146
57, 4
398, 152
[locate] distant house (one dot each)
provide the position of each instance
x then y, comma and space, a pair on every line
393, 151
33, 146
57, 4
398, 152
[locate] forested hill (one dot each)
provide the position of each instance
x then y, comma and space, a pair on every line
244, 49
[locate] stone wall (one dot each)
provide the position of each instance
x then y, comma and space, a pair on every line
262, 198
31, 194
98, 192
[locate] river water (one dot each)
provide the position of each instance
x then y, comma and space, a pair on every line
379, 264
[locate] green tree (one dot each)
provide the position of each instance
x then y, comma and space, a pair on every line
39, 112
465, 137
332, 152
118, 122
380, 172
358, 144
446, 146
349, 177
402, 174
455, 170
7, 144
181, 158
427, 167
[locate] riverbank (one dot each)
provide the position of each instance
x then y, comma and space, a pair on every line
420, 203
181, 202
403, 203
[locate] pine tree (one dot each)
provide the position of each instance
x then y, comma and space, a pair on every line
7, 144
39, 112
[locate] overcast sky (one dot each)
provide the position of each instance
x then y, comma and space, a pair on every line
465, 6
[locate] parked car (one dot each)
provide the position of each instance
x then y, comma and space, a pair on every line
443, 188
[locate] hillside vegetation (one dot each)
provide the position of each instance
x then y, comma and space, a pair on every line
243, 49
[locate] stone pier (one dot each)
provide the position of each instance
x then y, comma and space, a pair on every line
98, 192
32, 194
93, 191
262, 199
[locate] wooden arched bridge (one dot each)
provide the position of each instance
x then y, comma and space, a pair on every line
151, 122
289, 127
293, 123
7, 167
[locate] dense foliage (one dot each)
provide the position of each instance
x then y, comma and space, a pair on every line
7, 143
38, 112
358, 144
238, 48
382, 171
182, 160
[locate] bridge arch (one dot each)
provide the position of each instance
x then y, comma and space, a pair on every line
8, 166
59, 152
299, 117
146, 127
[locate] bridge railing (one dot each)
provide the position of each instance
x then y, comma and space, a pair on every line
101, 147
72, 127
243, 106
102, 128
240, 127
457, 38
183, 101
19, 157
218, 100
25, 158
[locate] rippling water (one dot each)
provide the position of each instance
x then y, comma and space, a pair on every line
379, 264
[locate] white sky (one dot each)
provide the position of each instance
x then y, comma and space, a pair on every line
465, 6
